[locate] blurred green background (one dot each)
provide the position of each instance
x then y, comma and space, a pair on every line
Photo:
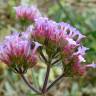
79, 13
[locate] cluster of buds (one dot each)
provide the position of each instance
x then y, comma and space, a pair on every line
61, 42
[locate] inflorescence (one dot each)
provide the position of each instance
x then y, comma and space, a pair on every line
59, 40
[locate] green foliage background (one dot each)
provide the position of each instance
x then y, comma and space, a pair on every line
79, 13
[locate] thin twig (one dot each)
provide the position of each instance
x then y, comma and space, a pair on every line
55, 53
56, 61
41, 53
54, 82
30, 86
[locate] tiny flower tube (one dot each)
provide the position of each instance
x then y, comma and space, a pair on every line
93, 65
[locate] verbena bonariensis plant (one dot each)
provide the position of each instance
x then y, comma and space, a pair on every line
55, 43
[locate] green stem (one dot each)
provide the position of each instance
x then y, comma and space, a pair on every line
46, 78
41, 53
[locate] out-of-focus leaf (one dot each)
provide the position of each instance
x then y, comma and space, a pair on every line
9, 89
41, 76
74, 91
30, 94
66, 93
34, 78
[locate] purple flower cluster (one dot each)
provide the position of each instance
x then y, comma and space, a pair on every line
56, 32
30, 13
67, 38
16, 50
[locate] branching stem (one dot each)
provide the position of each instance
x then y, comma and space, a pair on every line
29, 85
54, 82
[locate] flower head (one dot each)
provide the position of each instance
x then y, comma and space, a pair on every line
17, 53
66, 37
45, 28
27, 12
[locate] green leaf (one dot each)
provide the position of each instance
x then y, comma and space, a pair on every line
75, 89
41, 76
34, 78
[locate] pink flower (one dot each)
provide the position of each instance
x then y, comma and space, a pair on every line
30, 13
57, 32
44, 27
82, 69
81, 50
71, 32
17, 52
